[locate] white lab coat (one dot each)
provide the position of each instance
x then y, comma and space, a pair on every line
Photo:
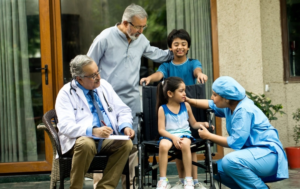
74, 115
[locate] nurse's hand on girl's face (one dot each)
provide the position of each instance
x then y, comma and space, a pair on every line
203, 132
187, 99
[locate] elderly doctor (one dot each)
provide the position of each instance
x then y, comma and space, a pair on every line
78, 122
259, 156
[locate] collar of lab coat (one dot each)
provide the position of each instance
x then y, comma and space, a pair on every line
80, 93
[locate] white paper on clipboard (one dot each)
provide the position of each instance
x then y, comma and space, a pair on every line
113, 137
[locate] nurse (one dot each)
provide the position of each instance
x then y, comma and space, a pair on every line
259, 156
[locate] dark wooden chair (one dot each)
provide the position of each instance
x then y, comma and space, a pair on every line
61, 166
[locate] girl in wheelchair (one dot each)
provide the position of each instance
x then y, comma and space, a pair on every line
174, 117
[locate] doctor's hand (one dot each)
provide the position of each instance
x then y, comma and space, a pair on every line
102, 132
146, 80
203, 132
129, 132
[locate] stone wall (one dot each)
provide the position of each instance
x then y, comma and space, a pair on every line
250, 50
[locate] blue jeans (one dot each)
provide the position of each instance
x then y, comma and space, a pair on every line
239, 169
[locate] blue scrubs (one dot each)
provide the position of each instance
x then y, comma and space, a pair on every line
259, 155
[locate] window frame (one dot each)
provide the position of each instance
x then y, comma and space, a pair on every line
288, 78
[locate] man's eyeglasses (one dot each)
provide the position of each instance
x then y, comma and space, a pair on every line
138, 27
93, 76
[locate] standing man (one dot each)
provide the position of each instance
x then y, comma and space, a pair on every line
117, 51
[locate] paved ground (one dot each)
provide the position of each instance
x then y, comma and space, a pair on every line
292, 183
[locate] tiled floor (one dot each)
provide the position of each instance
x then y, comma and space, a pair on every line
292, 183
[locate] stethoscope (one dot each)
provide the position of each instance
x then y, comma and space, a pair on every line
109, 108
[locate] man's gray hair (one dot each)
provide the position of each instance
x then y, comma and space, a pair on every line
78, 63
134, 10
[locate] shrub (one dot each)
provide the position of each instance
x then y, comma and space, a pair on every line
266, 106
296, 117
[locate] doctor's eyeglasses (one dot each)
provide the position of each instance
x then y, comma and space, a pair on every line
93, 76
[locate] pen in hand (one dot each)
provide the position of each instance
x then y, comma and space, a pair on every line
103, 123
106, 126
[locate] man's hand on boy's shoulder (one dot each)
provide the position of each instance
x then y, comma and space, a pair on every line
201, 78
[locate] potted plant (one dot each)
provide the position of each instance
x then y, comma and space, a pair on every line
293, 152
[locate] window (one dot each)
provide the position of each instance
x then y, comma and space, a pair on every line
290, 22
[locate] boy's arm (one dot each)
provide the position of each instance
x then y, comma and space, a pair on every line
157, 76
201, 77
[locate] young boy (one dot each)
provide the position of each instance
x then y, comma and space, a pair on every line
189, 70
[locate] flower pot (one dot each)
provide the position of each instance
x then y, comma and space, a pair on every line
293, 156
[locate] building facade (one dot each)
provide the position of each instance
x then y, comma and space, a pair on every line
253, 41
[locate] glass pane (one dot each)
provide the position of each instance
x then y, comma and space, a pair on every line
194, 17
293, 17
83, 20
21, 100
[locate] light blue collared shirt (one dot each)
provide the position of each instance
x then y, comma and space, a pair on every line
96, 119
119, 63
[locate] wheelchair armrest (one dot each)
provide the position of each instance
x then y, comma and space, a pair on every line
139, 114
209, 110
210, 115
139, 129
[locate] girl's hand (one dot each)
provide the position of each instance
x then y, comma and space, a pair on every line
205, 124
177, 143
203, 132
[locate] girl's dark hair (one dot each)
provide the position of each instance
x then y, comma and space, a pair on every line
169, 84
182, 34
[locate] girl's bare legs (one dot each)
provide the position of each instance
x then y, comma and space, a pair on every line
180, 168
164, 147
186, 156
194, 168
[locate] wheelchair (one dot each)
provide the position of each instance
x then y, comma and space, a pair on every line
147, 136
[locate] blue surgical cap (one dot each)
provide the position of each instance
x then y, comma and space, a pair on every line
228, 88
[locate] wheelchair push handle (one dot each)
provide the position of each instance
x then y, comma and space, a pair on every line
210, 115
